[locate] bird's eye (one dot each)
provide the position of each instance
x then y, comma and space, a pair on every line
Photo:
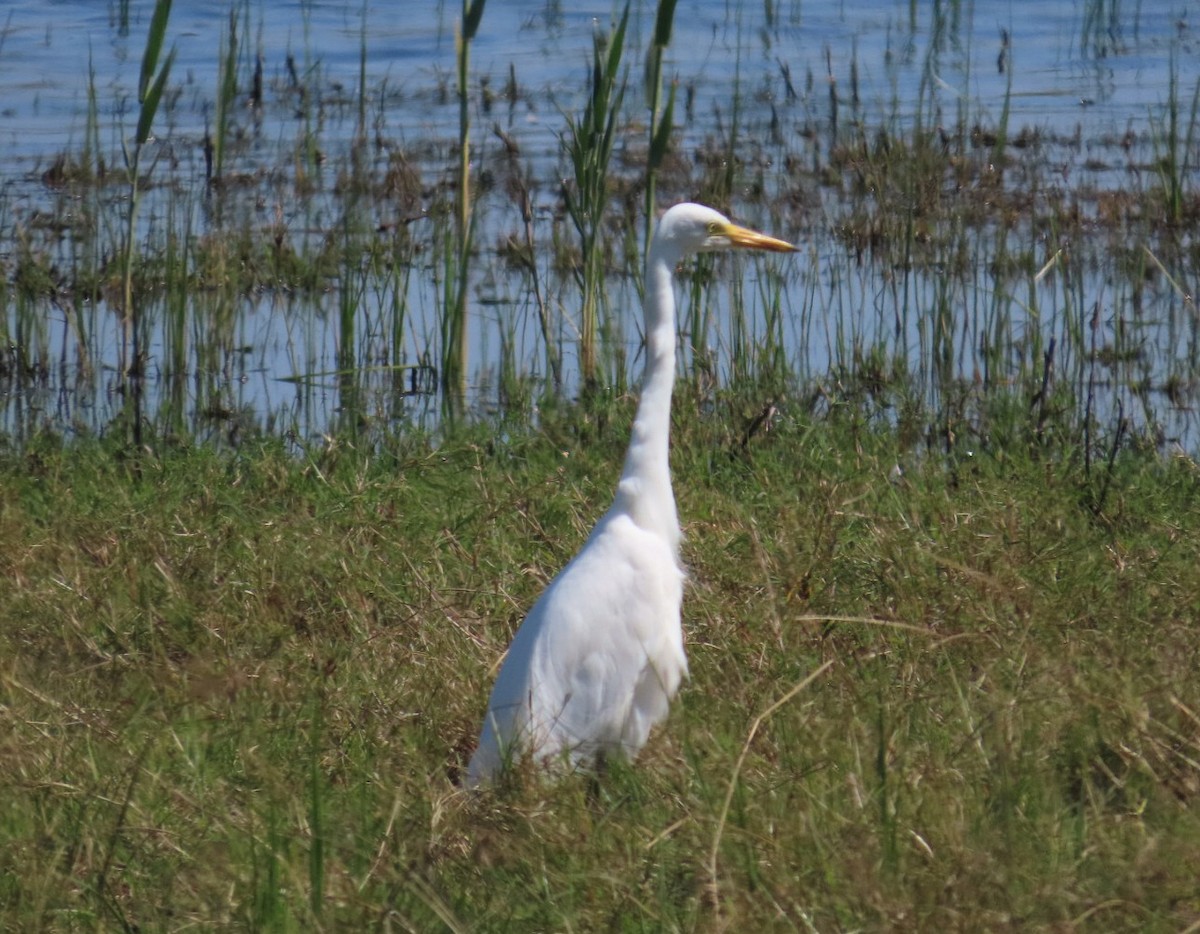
713, 228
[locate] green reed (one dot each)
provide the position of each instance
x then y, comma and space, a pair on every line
391, 276
716, 188
151, 82
1006, 108
455, 335
1100, 31
1174, 144
772, 365
227, 92
661, 117
177, 347
927, 111
349, 367
92, 159
589, 141
524, 254
305, 85
360, 130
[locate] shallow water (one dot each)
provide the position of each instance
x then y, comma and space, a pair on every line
1060, 76
1092, 93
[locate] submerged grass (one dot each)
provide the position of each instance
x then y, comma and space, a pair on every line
238, 689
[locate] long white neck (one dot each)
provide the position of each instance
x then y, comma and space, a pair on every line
644, 491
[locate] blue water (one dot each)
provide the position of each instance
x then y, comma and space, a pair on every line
1085, 85
1059, 76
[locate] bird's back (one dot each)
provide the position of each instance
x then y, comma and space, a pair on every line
595, 664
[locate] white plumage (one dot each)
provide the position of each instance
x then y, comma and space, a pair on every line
595, 664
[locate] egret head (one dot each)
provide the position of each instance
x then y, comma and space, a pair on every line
694, 228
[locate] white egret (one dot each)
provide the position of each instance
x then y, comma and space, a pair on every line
595, 664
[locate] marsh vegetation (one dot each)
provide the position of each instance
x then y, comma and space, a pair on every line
313, 382
308, 257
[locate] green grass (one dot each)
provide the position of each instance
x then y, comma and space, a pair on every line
237, 689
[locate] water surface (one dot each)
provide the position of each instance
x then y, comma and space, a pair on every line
789, 81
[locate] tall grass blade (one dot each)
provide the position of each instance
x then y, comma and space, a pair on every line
455, 333
472, 14
151, 89
660, 124
715, 848
227, 89
150, 102
590, 141
154, 44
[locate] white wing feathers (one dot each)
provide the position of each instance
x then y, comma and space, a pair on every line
597, 661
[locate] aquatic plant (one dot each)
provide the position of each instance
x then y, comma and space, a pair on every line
589, 141
661, 118
151, 82
455, 335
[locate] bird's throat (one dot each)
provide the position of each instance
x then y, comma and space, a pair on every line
645, 488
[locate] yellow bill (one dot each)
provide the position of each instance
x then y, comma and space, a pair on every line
749, 239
